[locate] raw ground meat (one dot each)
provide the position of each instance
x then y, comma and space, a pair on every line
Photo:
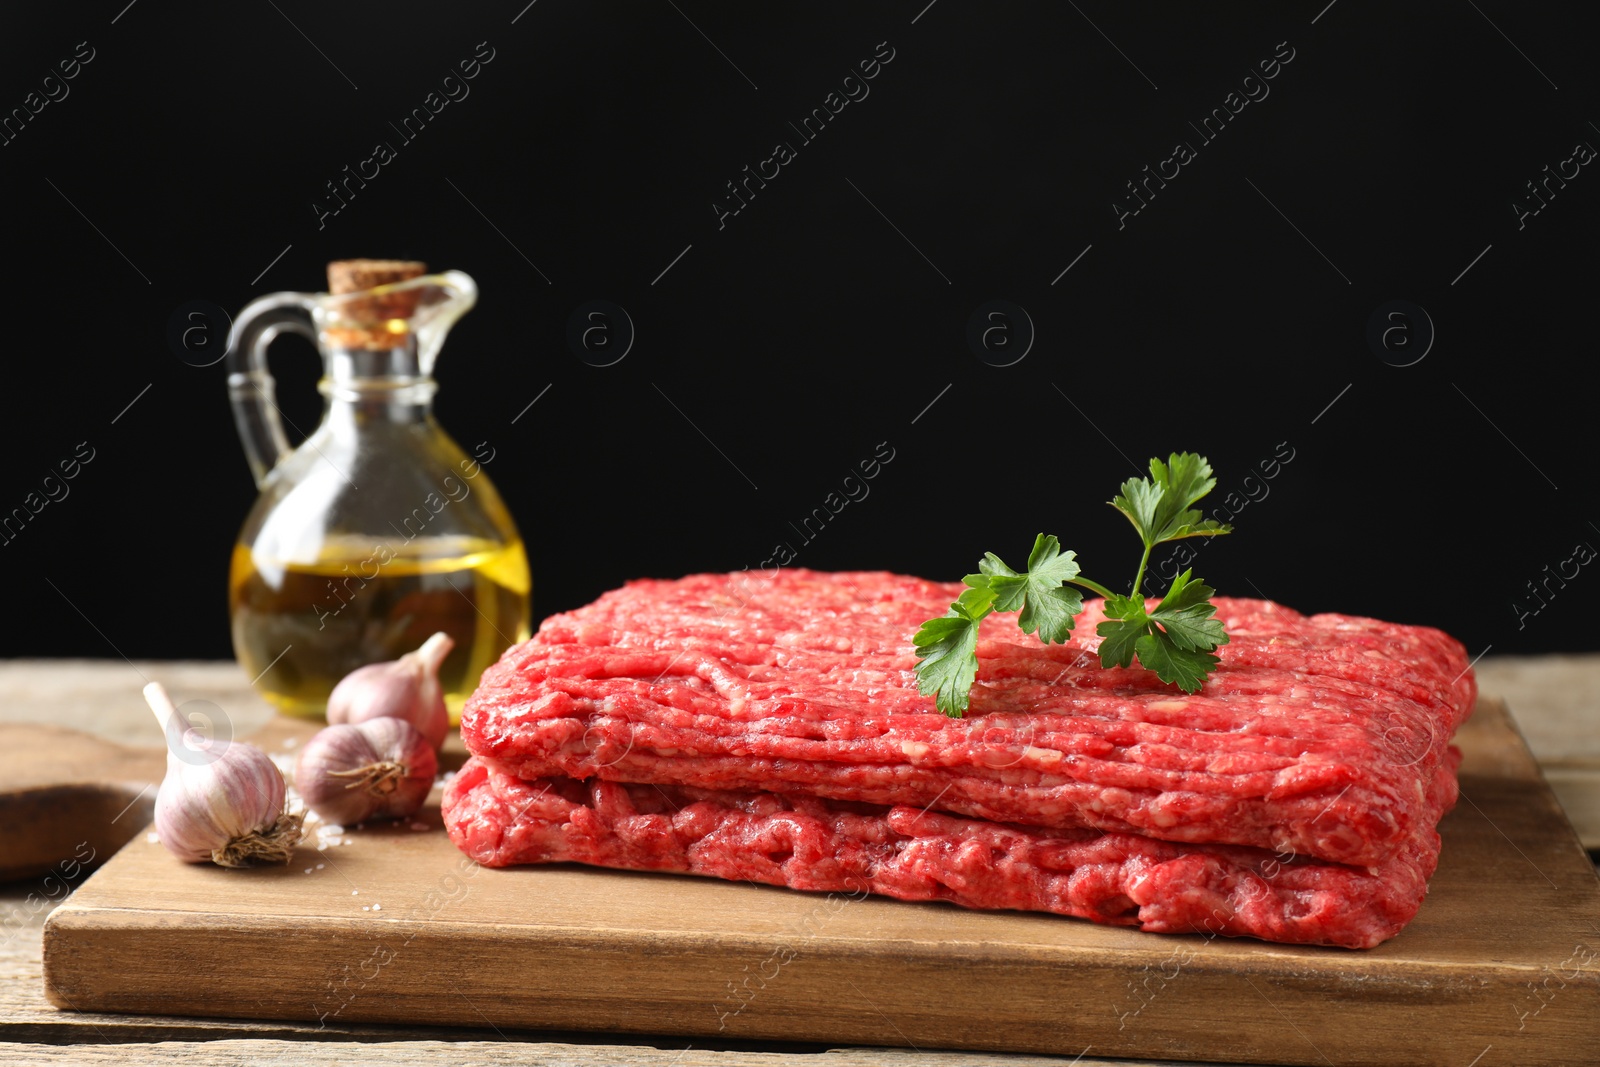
838, 846
1319, 736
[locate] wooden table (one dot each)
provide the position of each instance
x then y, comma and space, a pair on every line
1553, 698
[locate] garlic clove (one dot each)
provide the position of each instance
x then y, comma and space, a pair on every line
221, 801
434, 717
377, 690
407, 689
381, 768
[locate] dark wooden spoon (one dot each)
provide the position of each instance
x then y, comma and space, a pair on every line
70, 799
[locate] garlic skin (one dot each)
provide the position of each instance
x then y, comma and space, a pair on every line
223, 802
406, 688
382, 768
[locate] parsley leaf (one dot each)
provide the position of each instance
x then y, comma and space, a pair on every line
1125, 623
1047, 605
1185, 613
1186, 667
1160, 506
948, 647
1175, 639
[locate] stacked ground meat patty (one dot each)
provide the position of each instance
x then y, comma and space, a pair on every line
768, 728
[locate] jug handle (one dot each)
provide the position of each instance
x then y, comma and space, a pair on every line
251, 390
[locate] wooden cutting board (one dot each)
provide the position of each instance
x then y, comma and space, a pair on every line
1502, 966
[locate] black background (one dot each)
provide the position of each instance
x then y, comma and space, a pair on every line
826, 316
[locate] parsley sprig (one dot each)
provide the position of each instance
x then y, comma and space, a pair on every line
1176, 638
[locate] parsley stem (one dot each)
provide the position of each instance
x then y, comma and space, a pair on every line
1137, 578
1095, 586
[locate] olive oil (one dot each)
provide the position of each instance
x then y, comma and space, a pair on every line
302, 626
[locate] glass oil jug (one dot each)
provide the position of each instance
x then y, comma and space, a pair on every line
378, 530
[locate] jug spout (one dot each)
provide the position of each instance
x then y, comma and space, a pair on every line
417, 309
374, 306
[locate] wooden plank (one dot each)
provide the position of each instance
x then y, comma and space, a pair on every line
1504, 953
104, 697
244, 1053
1577, 788
1556, 702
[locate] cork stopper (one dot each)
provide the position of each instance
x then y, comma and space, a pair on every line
378, 321
354, 275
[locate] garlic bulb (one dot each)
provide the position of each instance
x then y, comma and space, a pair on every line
379, 769
406, 688
221, 801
